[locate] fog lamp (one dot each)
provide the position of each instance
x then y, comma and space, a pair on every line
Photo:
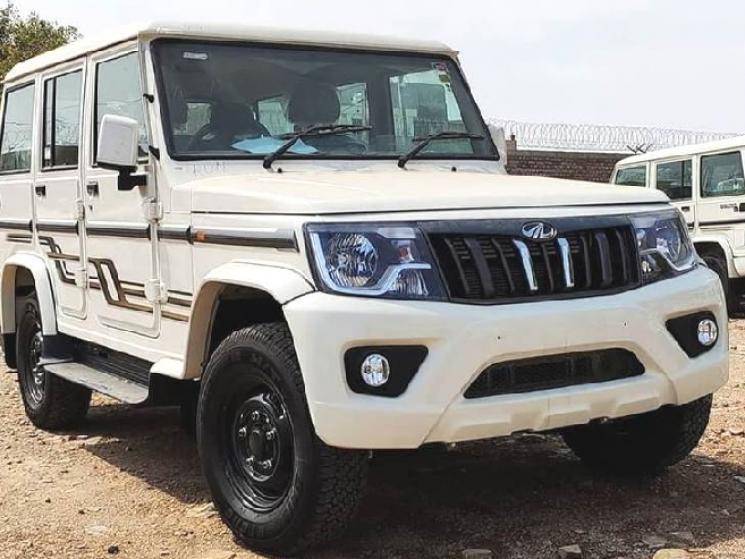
707, 332
375, 370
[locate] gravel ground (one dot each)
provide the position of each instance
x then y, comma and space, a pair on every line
128, 484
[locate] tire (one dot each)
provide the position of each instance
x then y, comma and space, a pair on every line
718, 264
50, 402
279, 494
641, 445
188, 410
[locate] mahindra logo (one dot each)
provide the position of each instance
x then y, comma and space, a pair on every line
539, 231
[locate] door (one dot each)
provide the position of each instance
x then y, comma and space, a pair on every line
675, 178
120, 251
722, 189
16, 167
57, 193
721, 205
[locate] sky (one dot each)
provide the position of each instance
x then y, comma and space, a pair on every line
663, 63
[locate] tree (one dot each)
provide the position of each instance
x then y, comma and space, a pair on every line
25, 37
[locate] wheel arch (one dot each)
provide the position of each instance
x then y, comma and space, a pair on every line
19, 267
232, 296
717, 245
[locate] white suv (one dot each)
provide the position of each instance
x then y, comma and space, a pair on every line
706, 183
308, 241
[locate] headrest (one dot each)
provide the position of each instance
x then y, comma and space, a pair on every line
313, 103
233, 117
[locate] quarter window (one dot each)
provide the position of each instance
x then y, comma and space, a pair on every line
62, 98
674, 179
632, 176
722, 175
119, 92
17, 130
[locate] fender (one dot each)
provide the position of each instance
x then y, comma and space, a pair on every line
44, 294
724, 244
282, 284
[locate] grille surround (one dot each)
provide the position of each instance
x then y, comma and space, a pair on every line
550, 372
491, 262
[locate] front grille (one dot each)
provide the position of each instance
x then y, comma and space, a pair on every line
485, 267
555, 371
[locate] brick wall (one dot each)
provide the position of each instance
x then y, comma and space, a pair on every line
596, 167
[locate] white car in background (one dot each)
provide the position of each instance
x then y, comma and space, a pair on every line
706, 183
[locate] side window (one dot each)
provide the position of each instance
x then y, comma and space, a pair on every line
354, 106
674, 179
62, 99
272, 114
119, 92
424, 103
17, 130
632, 176
722, 175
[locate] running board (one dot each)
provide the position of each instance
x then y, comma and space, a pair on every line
115, 386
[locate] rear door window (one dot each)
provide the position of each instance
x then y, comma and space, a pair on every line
17, 130
62, 99
675, 179
722, 175
632, 176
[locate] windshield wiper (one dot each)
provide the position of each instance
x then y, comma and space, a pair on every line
426, 140
319, 130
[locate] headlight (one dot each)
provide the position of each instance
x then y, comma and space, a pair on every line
665, 248
391, 261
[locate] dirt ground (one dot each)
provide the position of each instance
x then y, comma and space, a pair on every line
128, 484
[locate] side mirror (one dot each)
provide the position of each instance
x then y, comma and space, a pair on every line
118, 140
500, 140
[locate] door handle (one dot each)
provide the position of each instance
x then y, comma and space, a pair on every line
92, 188
685, 208
41, 190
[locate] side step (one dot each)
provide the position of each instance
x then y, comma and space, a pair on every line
115, 386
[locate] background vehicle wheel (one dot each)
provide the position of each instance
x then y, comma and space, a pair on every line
643, 444
719, 265
50, 402
275, 483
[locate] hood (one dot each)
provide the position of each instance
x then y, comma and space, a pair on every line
335, 192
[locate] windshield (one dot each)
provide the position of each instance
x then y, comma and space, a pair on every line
243, 101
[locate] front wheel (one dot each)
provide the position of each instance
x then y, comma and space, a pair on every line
644, 444
275, 483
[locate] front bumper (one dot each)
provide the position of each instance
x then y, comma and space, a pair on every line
464, 339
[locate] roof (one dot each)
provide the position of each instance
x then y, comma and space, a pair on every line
223, 32
736, 142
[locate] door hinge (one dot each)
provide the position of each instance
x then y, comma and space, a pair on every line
81, 277
79, 210
155, 291
153, 210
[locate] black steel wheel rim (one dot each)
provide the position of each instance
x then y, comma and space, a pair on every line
34, 374
258, 436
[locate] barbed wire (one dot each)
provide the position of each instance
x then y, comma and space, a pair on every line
600, 138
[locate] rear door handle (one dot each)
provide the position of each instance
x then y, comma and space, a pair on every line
685, 208
41, 190
92, 188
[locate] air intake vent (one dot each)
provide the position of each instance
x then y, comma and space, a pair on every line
555, 371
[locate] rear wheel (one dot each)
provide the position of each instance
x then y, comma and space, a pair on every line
50, 402
275, 483
644, 444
